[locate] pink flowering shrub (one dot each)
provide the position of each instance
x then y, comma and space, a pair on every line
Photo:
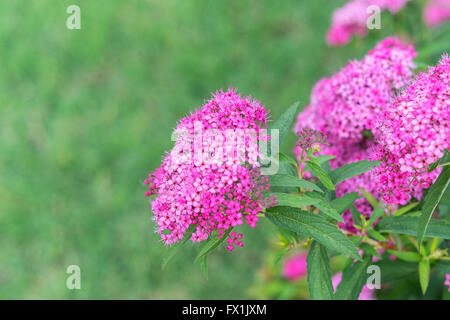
352, 18
373, 138
415, 132
217, 195
436, 12
344, 108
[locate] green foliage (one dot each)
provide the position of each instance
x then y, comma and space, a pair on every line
309, 224
294, 200
431, 201
350, 170
376, 213
345, 202
408, 225
406, 255
320, 173
207, 246
324, 206
353, 280
373, 202
175, 248
284, 122
319, 273
284, 180
424, 274
406, 209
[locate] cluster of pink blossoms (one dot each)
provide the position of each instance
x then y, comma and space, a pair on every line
344, 109
352, 18
211, 180
344, 106
436, 12
415, 132
295, 267
447, 281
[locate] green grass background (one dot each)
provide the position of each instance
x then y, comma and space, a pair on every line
86, 114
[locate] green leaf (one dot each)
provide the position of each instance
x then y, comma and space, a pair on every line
356, 215
352, 169
324, 206
405, 209
343, 203
286, 168
376, 235
317, 171
288, 235
431, 201
294, 200
309, 224
286, 158
408, 225
324, 158
175, 248
353, 280
204, 266
319, 273
392, 270
368, 249
373, 202
377, 213
408, 256
284, 180
424, 274
284, 122
209, 245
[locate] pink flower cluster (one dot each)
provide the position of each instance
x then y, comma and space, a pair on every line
344, 106
447, 281
206, 195
352, 18
415, 132
344, 109
295, 267
436, 12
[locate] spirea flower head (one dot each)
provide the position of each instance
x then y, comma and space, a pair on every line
436, 12
344, 108
352, 19
211, 180
415, 131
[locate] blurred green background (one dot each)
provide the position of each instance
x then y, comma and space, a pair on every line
86, 114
